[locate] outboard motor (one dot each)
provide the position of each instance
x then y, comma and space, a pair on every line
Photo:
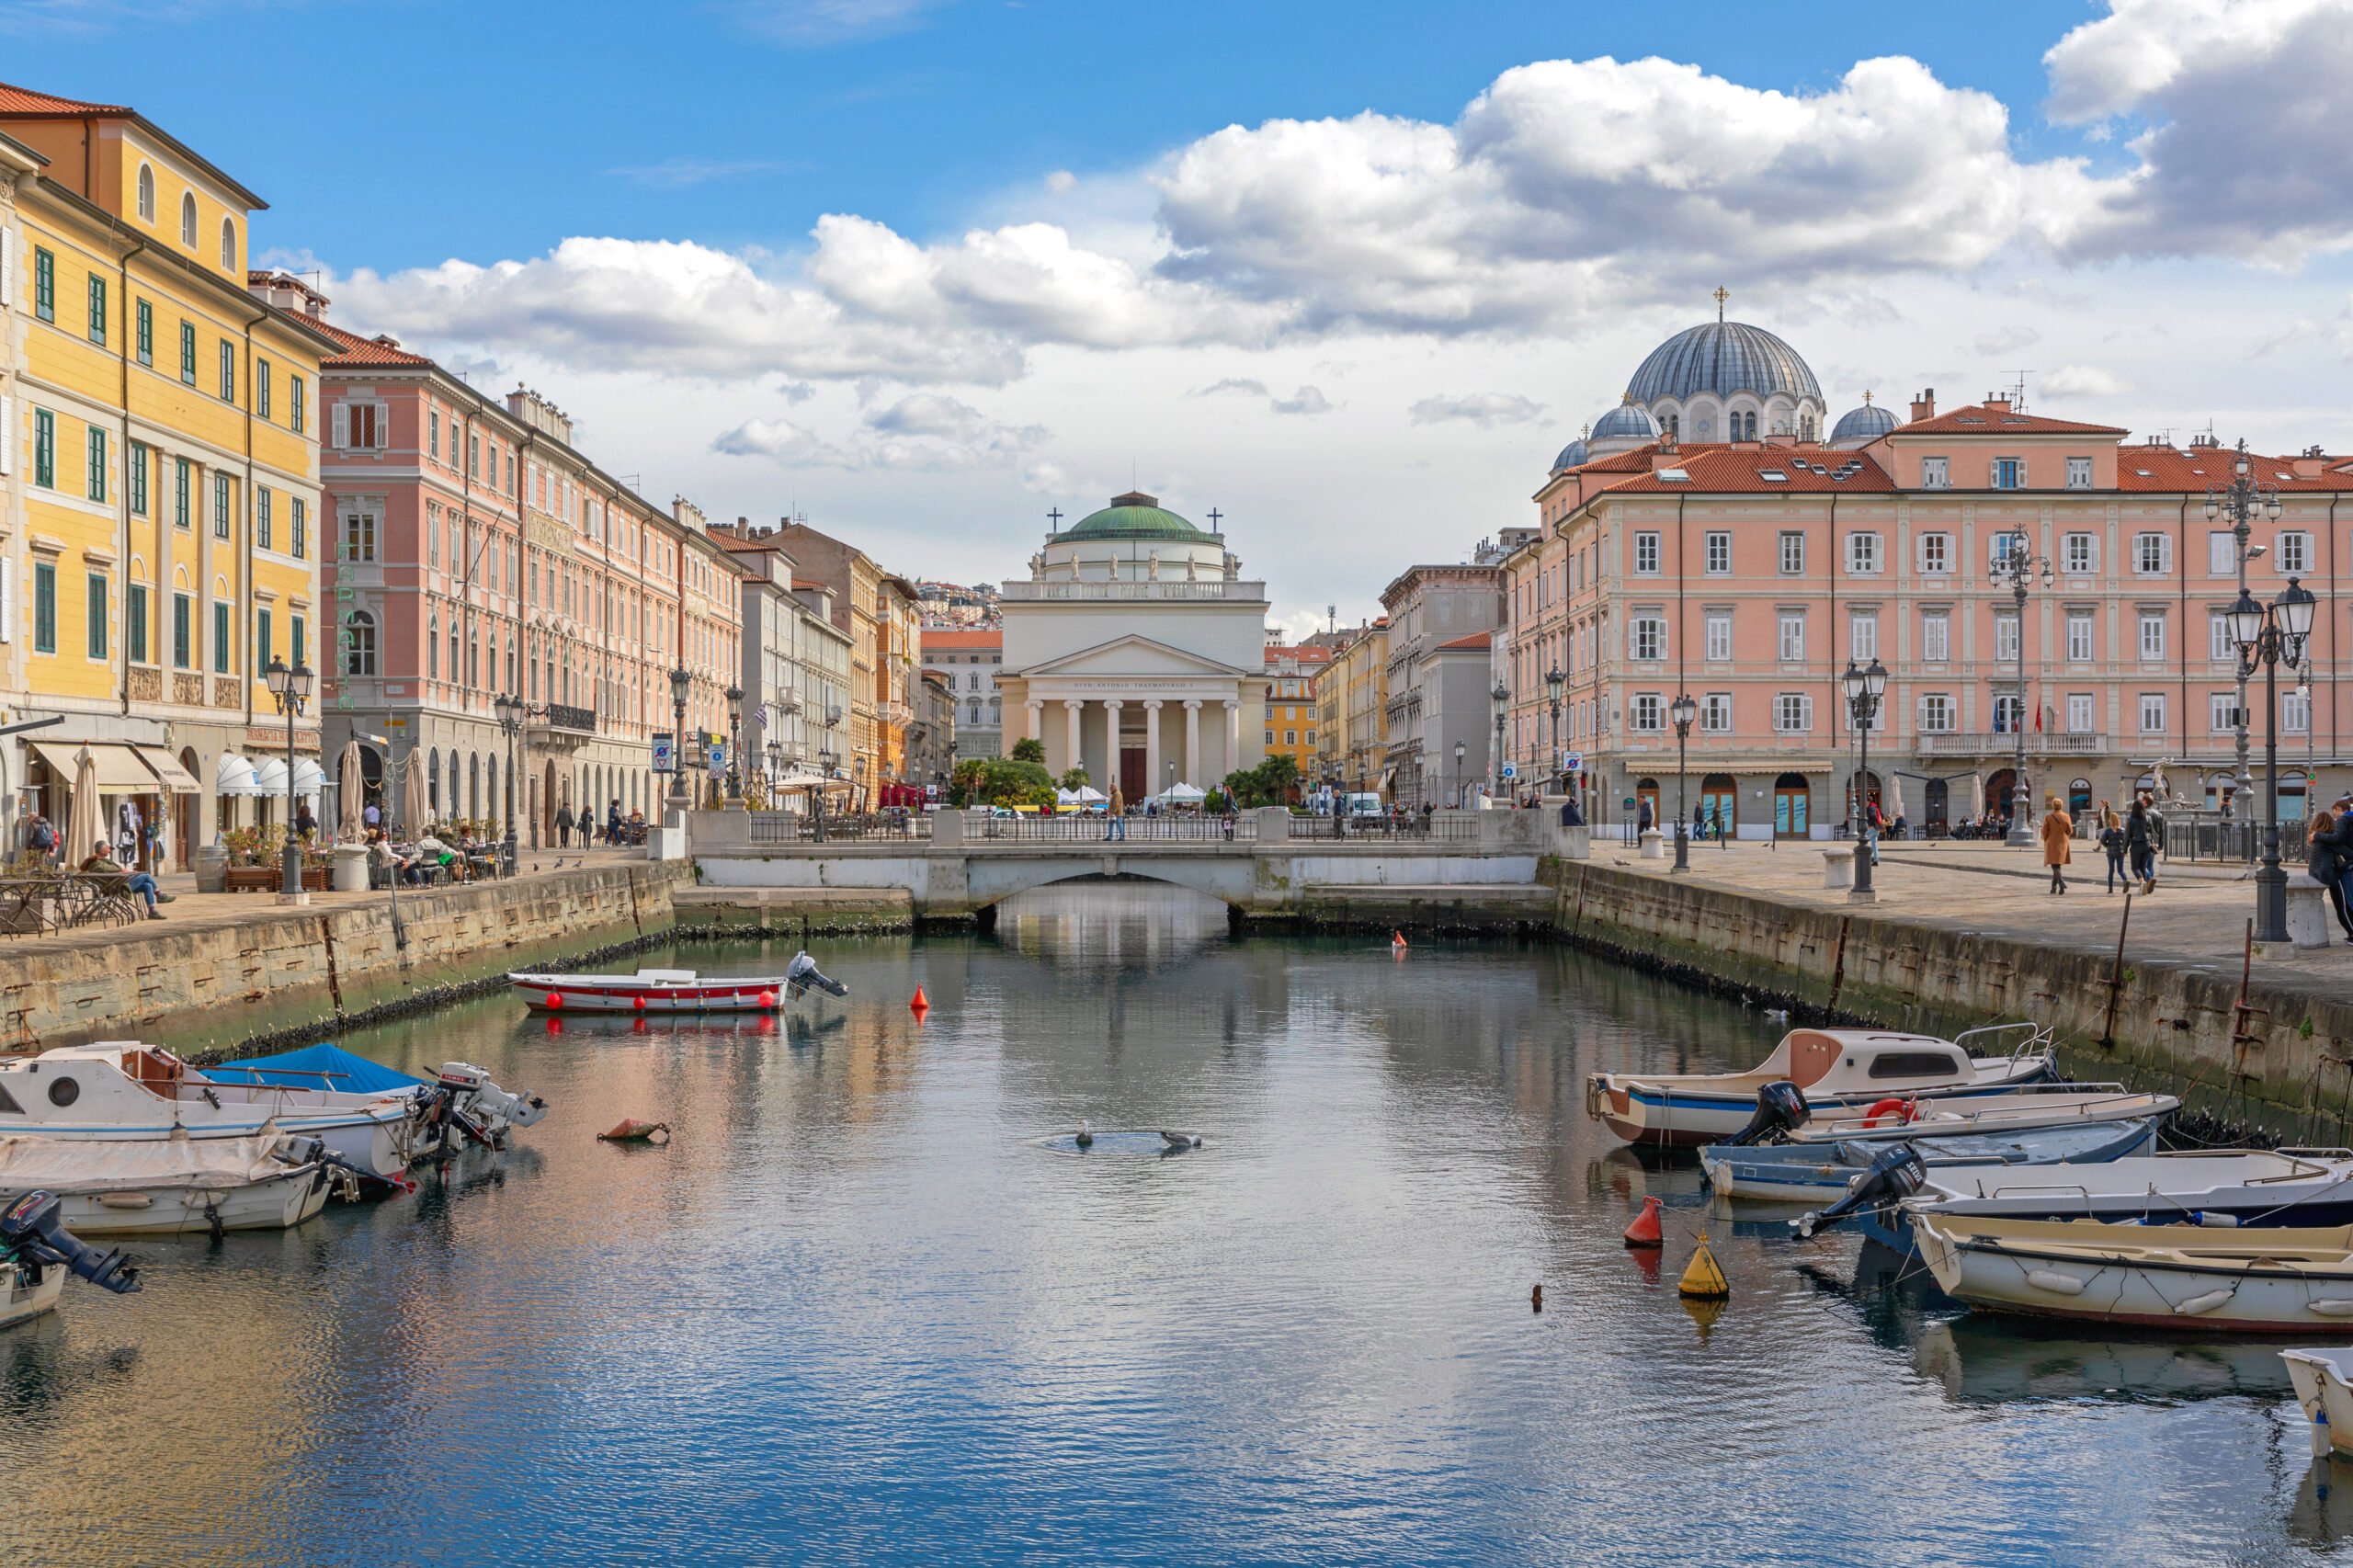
29, 1233
803, 973
449, 1102
1780, 1110
1895, 1172
495, 1104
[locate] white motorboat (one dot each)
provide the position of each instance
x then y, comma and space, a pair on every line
462, 1101
1813, 1173
674, 989
267, 1182
2217, 1187
1842, 1074
32, 1289
2033, 1108
37, 1252
122, 1091
2243, 1282
2319, 1377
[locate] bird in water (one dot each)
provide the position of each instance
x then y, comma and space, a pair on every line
1179, 1141
1776, 1015
1536, 1299
1086, 1136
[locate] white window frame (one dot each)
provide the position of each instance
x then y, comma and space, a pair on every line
1862, 635
1646, 637
1719, 552
1646, 554
1792, 713
2006, 631
2150, 636
1935, 637
2222, 553
2291, 552
1936, 554
1790, 553
2152, 554
2083, 713
1936, 473
1937, 712
2295, 713
2078, 553
2221, 647
2079, 473
1715, 713
1645, 713
1863, 556
2222, 712
1789, 634
2153, 713
1719, 632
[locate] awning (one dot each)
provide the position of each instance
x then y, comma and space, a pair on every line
232, 775
176, 779
269, 778
309, 778
119, 770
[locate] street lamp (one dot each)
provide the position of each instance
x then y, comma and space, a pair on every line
1682, 710
2017, 567
1553, 681
775, 768
2267, 634
511, 712
734, 739
290, 689
2242, 499
825, 760
1864, 688
1458, 785
1501, 697
680, 683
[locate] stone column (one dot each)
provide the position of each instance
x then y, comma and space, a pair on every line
1151, 784
1192, 740
1036, 706
1232, 735
1111, 706
1074, 708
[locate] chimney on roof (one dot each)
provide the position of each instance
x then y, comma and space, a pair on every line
1998, 405
1925, 405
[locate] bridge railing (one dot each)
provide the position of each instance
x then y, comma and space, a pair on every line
1098, 830
1445, 827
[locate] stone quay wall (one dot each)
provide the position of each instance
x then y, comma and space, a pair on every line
215, 982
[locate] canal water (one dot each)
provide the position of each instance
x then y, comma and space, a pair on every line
872, 1306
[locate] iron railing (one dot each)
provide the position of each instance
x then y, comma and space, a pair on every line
2209, 836
1447, 828
1079, 829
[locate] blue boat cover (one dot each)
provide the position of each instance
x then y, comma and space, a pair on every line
320, 1067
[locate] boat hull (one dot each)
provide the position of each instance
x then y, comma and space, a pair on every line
276, 1203
585, 994
2318, 1377
19, 1303
377, 1139
1804, 1172
1683, 1119
2253, 1296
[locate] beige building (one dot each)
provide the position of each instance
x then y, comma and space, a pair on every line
1352, 703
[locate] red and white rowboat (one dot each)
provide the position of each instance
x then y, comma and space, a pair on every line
673, 991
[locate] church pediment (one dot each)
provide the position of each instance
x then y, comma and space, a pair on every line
1132, 655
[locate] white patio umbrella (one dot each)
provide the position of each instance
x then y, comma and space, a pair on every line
1089, 795
350, 802
83, 826
413, 800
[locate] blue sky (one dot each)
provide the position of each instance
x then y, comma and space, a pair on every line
1351, 273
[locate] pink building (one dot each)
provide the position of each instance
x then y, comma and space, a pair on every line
478, 553
1747, 573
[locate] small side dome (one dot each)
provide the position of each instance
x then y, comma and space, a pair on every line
1576, 454
1629, 420
1865, 424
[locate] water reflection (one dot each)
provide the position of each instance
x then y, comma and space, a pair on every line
872, 1304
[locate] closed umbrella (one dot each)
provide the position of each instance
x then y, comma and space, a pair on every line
413, 800
83, 826
354, 788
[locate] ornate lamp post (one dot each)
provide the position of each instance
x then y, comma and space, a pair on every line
1459, 784
2016, 568
2267, 634
291, 690
1864, 688
680, 683
1682, 710
825, 760
1500, 697
1553, 681
734, 739
511, 712
776, 770
2242, 499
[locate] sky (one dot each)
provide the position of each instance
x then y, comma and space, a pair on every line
924, 270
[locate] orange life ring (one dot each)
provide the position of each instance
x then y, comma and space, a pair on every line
1901, 1110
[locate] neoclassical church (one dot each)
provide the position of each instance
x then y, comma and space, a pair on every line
1136, 651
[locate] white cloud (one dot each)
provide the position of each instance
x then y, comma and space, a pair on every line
2083, 381
779, 438
2006, 340
1231, 384
1060, 181
921, 431
1485, 410
1307, 399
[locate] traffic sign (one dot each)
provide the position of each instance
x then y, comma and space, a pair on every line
1573, 763
1630, 802
717, 751
661, 754
1511, 770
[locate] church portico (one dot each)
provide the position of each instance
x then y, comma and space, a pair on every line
1143, 734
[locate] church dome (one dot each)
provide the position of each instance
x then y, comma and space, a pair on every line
1135, 516
1865, 424
1723, 358
1627, 420
1571, 455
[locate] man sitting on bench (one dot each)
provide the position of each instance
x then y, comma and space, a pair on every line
103, 864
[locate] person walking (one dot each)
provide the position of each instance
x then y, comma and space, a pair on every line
613, 822
305, 825
2139, 845
2327, 854
2111, 844
2058, 841
42, 838
1115, 821
563, 826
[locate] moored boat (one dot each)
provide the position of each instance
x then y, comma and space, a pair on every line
2318, 1376
1814, 1172
2183, 1276
1842, 1074
673, 990
173, 1185
37, 1252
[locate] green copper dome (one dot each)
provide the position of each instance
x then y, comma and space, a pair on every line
1135, 516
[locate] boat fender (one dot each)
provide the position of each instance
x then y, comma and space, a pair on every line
2332, 1307
767, 1000
125, 1200
2201, 1303
2217, 1222
638, 1002
2058, 1284
555, 999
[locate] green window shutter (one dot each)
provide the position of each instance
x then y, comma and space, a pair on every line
228, 371
97, 309
188, 352
97, 463
180, 630
44, 449
97, 616
135, 471
44, 607
44, 285
221, 649
134, 607
146, 333
298, 650
261, 641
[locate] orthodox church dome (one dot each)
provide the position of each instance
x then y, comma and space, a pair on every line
1723, 358
1575, 454
1628, 421
1865, 424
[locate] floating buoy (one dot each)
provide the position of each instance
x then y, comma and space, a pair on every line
920, 1005
1536, 1299
635, 1131
638, 1003
1396, 939
767, 999
1703, 1281
555, 999
1085, 1138
1647, 1231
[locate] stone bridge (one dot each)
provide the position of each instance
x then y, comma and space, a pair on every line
1273, 866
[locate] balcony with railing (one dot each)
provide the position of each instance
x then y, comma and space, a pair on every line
556, 721
1218, 588
2005, 743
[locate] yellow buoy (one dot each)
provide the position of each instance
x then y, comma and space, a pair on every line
1703, 1280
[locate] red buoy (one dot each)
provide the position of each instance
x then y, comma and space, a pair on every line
767, 999
1648, 1230
555, 999
1894, 1109
1396, 939
638, 1002
920, 1005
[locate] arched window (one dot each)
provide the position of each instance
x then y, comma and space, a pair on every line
187, 219
228, 245
359, 643
147, 192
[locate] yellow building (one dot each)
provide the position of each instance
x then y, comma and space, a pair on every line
1352, 701
159, 499
1292, 724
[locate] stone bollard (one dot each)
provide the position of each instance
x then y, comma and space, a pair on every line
350, 867
1839, 867
1651, 842
2308, 919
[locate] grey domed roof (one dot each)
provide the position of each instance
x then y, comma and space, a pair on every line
1629, 419
1571, 455
1723, 358
1863, 424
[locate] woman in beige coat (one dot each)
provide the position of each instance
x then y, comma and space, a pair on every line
2058, 840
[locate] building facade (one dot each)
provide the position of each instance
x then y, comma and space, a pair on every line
1293, 725
159, 485
1352, 710
796, 666
880, 612
1748, 573
1135, 651
1429, 607
969, 660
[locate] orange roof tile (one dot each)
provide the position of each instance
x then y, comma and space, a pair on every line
989, 637
362, 350
25, 101
1984, 419
1480, 639
1741, 469
2176, 471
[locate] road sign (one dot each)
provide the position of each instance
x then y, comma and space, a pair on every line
1511, 770
717, 751
1573, 763
661, 754
1630, 802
